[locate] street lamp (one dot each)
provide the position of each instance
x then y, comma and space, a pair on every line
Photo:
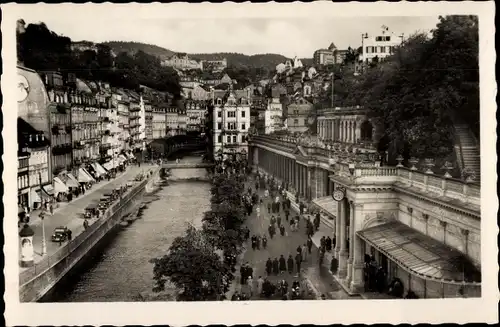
42, 217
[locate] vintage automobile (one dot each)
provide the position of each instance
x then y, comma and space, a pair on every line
91, 211
60, 234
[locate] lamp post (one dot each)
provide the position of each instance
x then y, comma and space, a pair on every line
42, 217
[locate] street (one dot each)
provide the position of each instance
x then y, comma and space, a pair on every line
68, 215
312, 276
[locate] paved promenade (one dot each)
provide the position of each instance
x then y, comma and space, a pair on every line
312, 276
69, 214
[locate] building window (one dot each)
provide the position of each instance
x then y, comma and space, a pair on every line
234, 139
387, 38
243, 126
219, 114
219, 139
229, 139
296, 122
231, 114
243, 114
219, 125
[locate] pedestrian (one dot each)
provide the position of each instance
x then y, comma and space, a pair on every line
298, 262
51, 208
277, 205
276, 266
264, 241
279, 220
282, 263
254, 242
242, 274
250, 285
317, 220
287, 214
266, 193
309, 245
268, 207
328, 244
299, 250
322, 243
258, 242
290, 264
85, 224
282, 230
260, 283
70, 234
269, 266
301, 208
303, 252
271, 231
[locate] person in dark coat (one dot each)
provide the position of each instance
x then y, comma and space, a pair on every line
269, 266
317, 220
70, 234
243, 270
268, 207
287, 214
299, 250
309, 245
290, 264
254, 242
282, 230
301, 208
276, 266
271, 231
249, 272
298, 262
322, 242
328, 244
264, 241
282, 263
258, 242
279, 220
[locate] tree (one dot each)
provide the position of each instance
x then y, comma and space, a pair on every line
427, 84
191, 264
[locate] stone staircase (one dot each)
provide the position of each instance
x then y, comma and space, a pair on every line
468, 149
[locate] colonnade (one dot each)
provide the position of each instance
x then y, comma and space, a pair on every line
349, 249
341, 130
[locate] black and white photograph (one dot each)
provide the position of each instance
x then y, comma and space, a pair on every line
227, 154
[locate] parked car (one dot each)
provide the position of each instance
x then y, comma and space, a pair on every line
60, 234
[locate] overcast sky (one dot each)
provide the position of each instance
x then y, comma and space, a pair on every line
205, 31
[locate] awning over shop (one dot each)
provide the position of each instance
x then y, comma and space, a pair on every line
108, 165
100, 169
72, 181
327, 204
49, 190
122, 158
83, 176
35, 195
59, 186
420, 254
96, 171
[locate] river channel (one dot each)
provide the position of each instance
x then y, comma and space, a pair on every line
120, 270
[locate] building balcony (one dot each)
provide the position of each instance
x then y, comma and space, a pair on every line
135, 108
134, 117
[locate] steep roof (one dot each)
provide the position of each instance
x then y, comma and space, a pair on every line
332, 46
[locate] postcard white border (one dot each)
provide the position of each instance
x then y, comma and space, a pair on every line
271, 313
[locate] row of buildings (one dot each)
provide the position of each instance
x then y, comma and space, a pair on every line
72, 131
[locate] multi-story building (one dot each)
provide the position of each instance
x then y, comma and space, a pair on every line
298, 112
215, 66
149, 126
324, 57
273, 116
23, 180
196, 111
60, 120
181, 61
123, 104
380, 45
159, 120
182, 120
231, 121
172, 119
35, 147
86, 126
135, 121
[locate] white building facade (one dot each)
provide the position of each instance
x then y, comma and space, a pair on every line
273, 116
231, 123
380, 45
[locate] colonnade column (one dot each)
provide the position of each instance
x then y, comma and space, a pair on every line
343, 241
337, 230
357, 280
351, 241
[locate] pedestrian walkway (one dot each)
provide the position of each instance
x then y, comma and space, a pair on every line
69, 214
315, 280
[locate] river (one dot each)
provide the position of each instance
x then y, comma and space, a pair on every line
121, 271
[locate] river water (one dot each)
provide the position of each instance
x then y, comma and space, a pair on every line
121, 270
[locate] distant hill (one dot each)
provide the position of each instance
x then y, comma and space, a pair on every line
268, 60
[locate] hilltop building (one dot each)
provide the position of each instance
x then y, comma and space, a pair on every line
380, 45
181, 61
330, 56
